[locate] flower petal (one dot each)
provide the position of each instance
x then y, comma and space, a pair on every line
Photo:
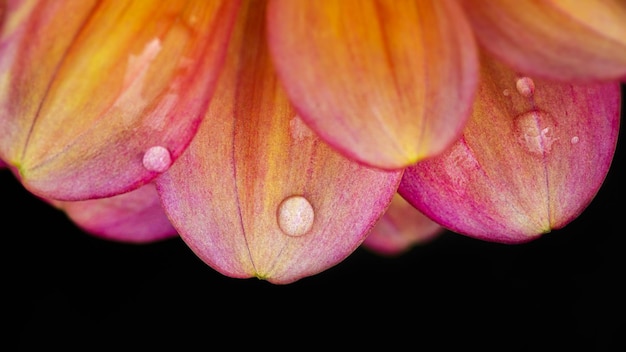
558, 39
133, 217
385, 82
257, 194
400, 229
531, 158
84, 97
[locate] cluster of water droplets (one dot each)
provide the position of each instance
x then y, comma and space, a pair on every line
535, 129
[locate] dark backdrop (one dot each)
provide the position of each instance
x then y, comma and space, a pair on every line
564, 291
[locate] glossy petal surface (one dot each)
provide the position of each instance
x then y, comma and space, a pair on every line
400, 229
133, 217
558, 39
84, 97
257, 194
385, 82
531, 158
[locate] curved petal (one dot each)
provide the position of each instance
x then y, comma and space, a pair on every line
257, 194
386, 83
84, 97
133, 217
558, 39
400, 229
530, 160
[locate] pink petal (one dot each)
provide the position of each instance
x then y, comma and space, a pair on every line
257, 194
133, 217
386, 83
558, 39
84, 97
530, 160
400, 229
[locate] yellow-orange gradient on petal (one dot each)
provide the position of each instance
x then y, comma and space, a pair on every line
386, 82
257, 193
88, 87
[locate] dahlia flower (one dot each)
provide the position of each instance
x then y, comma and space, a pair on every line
273, 136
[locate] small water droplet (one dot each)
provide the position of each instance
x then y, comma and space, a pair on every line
459, 162
299, 130
535, 132
506, 92
157, 159
295, 216
574, 140
525, 86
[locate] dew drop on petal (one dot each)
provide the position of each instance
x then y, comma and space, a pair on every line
299, 130
574, 140
525, 86
157, 159
295, 216
535, 132
458, 163
506, 92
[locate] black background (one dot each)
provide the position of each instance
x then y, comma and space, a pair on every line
564, 291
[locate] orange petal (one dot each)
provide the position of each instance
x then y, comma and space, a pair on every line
385, 82
84, 97
400, 229
558, 39
532, 157
257, 194
133, 217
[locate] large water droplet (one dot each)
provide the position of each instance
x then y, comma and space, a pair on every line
157, 159
525, 86
535, 132
295, 216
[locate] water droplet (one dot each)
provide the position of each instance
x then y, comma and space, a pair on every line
506, 92
535, 132
157, 159
295, 216
131, 98
525, 86
459, 162
574, 140
299, 130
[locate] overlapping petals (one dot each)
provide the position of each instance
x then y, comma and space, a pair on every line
132, 217
531, 158
273, 135
257, 193
84, 97
388, 83
557, 39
